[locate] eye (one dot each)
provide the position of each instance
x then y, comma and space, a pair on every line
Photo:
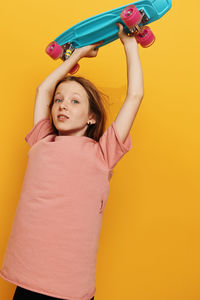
57, 99
75, 100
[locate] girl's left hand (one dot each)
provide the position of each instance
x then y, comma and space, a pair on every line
125, 39
88, 51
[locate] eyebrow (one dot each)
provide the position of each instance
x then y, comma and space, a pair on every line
61, 94
57, 93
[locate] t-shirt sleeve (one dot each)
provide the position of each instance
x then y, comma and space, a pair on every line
112, 147
40, 130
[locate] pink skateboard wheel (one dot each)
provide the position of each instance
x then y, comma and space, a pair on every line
54, 50
74, 69
131, 16
146, 37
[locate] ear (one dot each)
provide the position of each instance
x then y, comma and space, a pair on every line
92, 119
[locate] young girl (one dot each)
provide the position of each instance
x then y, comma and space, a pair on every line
52, 249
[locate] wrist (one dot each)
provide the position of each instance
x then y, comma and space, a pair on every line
131, 53
131, 44
77, 54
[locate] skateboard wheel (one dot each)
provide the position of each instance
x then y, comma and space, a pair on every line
131, 16
74, 69
146, 37
54, 50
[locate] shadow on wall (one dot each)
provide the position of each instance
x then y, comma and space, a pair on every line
115, 97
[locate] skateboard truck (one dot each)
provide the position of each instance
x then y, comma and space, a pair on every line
68, 49
55, 51
135, 19
137, 28
145, 19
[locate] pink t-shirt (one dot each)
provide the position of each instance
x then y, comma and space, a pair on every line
53, 243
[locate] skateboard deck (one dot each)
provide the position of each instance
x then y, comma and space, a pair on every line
102, 27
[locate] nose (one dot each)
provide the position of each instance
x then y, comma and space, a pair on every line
62, 106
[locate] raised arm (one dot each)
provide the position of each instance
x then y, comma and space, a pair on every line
45, 90
135, 88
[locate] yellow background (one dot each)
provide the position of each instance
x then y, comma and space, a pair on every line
149, 245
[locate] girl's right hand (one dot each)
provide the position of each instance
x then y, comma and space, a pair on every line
127, 40
88, 51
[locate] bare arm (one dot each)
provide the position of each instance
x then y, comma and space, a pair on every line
135, 89
50, 82
135, 84
45, 90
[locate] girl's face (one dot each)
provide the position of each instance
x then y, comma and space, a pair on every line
71, 99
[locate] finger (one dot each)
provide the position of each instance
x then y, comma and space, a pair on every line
120, 26
120, 32
95, 51
97, 44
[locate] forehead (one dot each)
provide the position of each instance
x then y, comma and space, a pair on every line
71, 87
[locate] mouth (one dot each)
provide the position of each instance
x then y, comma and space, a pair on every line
62, 117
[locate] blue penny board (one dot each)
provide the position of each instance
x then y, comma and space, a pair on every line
103, 26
